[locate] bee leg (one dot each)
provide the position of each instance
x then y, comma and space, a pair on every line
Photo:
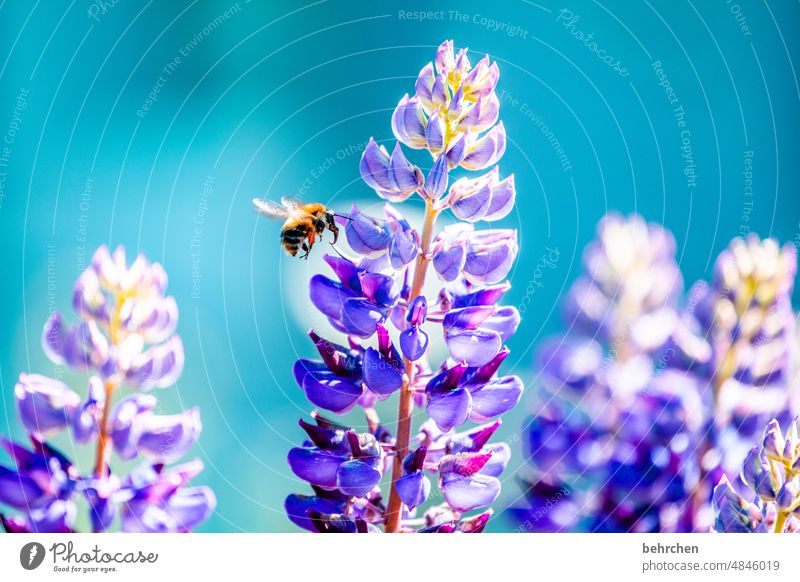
335, 230
304, 246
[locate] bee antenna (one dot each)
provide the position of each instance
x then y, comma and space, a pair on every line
342, 216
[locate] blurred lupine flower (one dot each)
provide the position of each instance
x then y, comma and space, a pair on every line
379, 300
771, 473
126, 336
650, 402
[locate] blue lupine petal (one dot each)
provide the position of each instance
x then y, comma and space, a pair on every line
315, 466
379, 288
468, 493
496, 397
297, 507
475, 347
413, 343
450, 409
328, 296
449, 261
331, 392
413, 489
357, 477
366, 235
436, 182
44, 405
360, 317
380, 376
18, 490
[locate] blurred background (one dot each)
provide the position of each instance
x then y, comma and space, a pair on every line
152, 125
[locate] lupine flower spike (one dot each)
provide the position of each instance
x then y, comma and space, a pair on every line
382, 303
125, 337
651, 401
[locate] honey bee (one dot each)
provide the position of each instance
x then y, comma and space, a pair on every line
303, 225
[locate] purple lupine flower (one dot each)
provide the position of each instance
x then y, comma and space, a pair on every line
126, 336
382, 292
154, 500
414, 486
771, 472
338, 458
39, 487
44, 405
625, 406
463, 485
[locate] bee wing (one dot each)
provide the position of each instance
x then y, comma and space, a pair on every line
291, 202
270, 209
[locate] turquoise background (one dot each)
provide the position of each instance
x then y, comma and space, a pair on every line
279, 98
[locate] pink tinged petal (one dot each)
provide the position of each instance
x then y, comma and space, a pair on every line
496, 397
449, 261
503, 198
366, 235
360, 317
328, 296
329, 391
413, 343
497, 463
417, 311
357, 478
468, 317
378, 288
468, 493
374, 166
446, 380
482, 374
413, 489
486, 150
44, 405
380, 376
486, 296
463, 464
315, 466
167, 438
449, 409
346, 271
157, 367
475, 347
408, 123
435, 132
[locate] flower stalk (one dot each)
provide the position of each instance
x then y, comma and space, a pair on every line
406, 400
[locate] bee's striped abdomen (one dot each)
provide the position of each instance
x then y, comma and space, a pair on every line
292, 236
